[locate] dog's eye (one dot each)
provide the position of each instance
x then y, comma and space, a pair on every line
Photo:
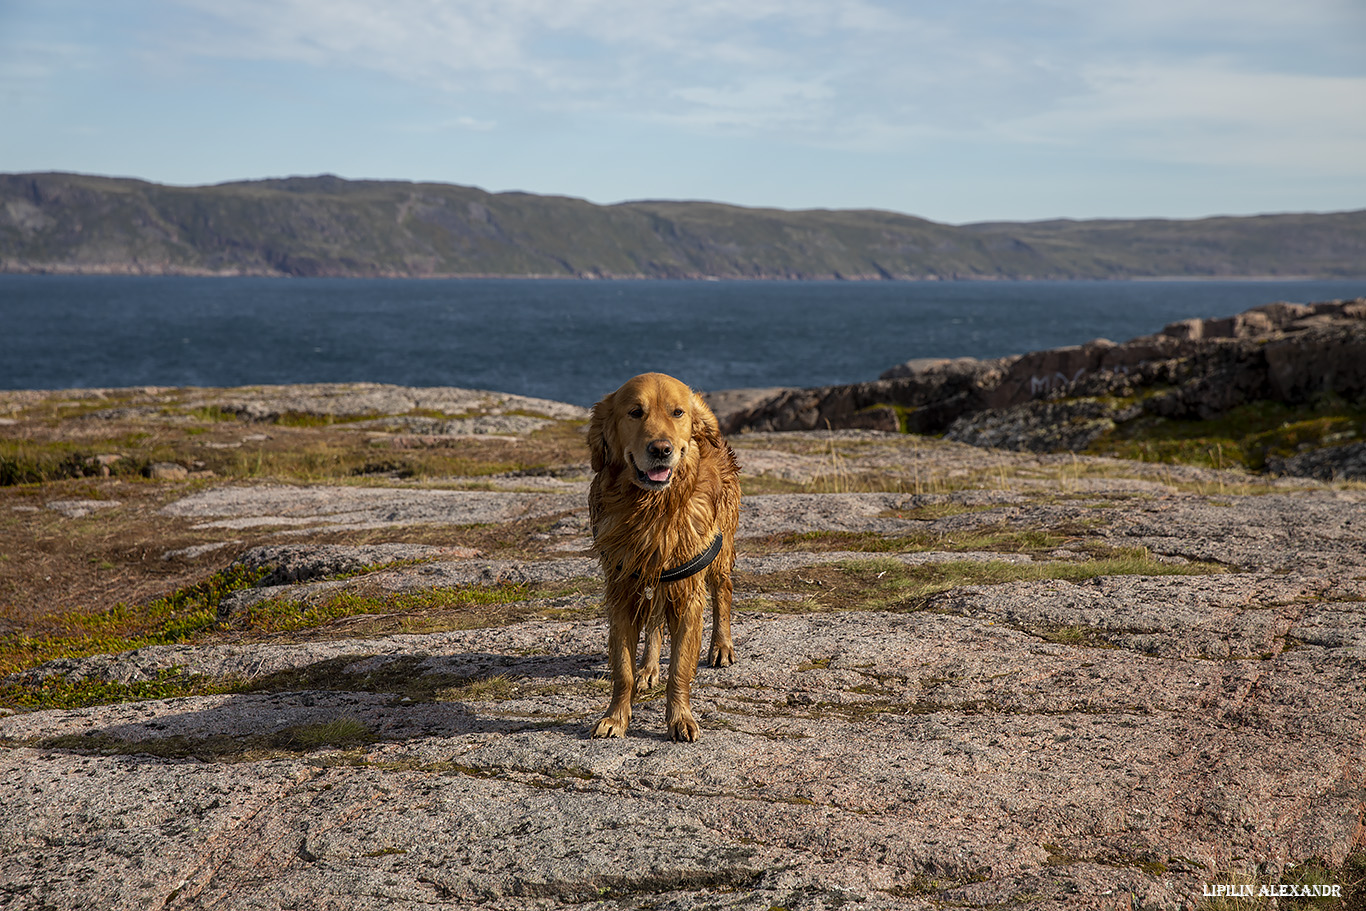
678, 412
636, 412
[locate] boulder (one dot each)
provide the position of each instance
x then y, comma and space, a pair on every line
166, 471
1332, 463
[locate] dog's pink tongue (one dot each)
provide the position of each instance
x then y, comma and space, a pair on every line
658, 474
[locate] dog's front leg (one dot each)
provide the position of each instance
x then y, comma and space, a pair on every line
622, 639
685, 639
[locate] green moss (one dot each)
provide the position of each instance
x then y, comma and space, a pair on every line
277, 615
992, 538
1243, 437
1072, 635
1127, 561
883, 583
177, 617
313, 419
341, 733
26, 462
57, 692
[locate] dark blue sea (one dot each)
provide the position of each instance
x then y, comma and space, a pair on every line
568, 340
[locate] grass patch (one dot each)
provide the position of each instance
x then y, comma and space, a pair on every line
339, 734
1077, 635
177, 617
56, 443
1244, 437
888, 584
484, 689
211, 414
24, 462
1349, 877
407, 678
279, 615
1000, 538
191, 614
314, 419
44, 462
320, 454
57, 692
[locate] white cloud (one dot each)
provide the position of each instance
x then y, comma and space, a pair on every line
1263, 83
28, 70
623, 51
1209, 113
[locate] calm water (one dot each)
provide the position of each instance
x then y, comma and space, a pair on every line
568, 340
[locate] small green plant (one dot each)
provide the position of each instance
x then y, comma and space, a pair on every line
176, 617
885, 583
277, 615
815, 664
342, 734
58, 692
23, 462
1243, 437
482, 689
339, 734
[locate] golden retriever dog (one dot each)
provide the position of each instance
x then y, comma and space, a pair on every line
665, 498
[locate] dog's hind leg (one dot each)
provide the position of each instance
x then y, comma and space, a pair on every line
722, 651
647, 672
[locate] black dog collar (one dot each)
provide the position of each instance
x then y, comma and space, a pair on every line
693, 566
696, 564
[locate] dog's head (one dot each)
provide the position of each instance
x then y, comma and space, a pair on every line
651, 427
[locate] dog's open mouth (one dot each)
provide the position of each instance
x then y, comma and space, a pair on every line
656, 478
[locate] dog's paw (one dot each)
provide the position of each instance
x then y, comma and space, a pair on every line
684, 729
609, 726
722, 654
647, 678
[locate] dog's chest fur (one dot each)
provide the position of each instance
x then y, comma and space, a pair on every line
642, 533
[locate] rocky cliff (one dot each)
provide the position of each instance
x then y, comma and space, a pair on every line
1068, 398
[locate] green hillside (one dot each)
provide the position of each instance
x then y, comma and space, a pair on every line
329, 226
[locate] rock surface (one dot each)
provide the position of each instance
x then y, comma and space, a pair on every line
1058, 737
1066, 398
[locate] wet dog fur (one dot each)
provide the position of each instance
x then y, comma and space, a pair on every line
665, 483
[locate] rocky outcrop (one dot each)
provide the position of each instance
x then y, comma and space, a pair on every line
968, 678
1064, 398
1053, 732
1335, 463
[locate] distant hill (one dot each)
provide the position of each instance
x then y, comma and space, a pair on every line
66, 223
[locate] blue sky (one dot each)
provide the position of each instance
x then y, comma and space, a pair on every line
954, 110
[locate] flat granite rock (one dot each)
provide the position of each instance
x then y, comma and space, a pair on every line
1053, 741
857, 759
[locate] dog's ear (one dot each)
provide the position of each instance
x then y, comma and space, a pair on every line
601, 434
704, 425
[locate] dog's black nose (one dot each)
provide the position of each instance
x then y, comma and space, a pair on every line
661, 449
